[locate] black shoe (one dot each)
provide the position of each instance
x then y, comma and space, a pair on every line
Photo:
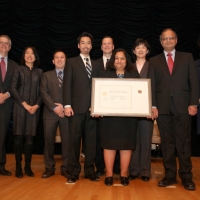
64, 173
145, 178
188, 184
124, 181
72, 178
28, 171
99, 172
4, 172
48, 173
92, 177
108, 181
116, 171
167, 182
18, 173
132, 177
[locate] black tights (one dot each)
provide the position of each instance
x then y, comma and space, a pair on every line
19, 140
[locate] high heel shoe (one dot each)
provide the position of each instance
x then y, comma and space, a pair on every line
108, 181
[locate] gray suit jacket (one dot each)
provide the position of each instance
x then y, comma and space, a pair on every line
50, 93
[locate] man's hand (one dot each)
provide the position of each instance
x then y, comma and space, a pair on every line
192, 110
59, 110
3, 97
154, 113
69, 111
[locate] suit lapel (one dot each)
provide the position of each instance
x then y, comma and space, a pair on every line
9, 70
177, 58
82, 65
54, 75
164, 62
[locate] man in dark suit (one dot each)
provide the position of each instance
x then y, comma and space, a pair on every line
51, 91
175, 97
79, 72
6, 73
107, 47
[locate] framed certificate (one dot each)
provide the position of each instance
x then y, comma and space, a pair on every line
126, 97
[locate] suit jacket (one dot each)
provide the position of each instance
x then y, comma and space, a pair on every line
5, 86
101, 64
50, 93
182, 85
77, 85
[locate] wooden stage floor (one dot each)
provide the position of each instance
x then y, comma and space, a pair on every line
54, 188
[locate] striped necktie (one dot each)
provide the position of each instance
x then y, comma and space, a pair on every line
60, 79
88, 67
3, 68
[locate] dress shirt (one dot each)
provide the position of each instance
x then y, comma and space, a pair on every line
57, 71
83, 58
173, 54
105, 61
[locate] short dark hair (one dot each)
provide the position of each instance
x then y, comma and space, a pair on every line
168, 29
59, 50
107, 37
37, 59
137, 43
85, 34
129, 64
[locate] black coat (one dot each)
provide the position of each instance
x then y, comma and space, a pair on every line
25, 87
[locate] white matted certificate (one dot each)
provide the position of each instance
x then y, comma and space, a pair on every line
125, 97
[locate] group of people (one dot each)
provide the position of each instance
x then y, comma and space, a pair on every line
66, 94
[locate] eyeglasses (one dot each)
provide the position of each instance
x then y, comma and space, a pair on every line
168, 38
5, 43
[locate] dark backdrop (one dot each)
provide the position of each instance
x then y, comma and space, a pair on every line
52, 24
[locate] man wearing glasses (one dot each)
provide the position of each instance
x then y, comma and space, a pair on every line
7, 67
175, 94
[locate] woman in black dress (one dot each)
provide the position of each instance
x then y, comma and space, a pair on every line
25, 90
118, 133
140, 164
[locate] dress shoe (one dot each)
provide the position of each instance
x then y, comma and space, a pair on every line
4, 172
28, 171
108, 181
132, 177
64, 173
92, 177
99, 172
145, 178
188, 184
72, 178
167, 182
18, 173
48, 173
124, 181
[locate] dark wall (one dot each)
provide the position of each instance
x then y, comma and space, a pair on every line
52, 24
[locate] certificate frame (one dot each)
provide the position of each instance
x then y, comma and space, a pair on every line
126, 97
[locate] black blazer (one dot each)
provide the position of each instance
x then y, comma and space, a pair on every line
182, 85
50, 93
101, 64
5, 86
143, 72
77, 85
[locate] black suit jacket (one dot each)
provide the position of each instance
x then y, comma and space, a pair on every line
77, 85
50, 93
5, 86
182, 85
101, 64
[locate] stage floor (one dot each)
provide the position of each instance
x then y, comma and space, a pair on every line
54, 188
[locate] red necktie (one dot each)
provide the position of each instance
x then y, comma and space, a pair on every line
3, 68
170, 62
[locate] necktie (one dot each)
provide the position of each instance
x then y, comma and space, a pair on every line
107, 60
60, 79
88, 67
3, 68
170, 62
